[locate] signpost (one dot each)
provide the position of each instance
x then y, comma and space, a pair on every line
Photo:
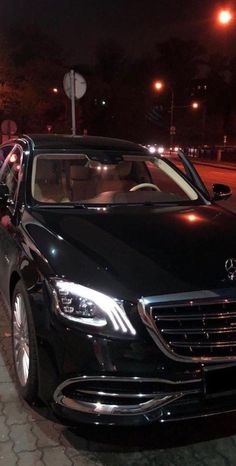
8, 127
75, 87
172, 130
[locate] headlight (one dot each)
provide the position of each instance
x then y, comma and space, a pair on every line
161, 150
91, 309
152, 149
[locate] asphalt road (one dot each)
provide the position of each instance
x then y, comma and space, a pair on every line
33, 437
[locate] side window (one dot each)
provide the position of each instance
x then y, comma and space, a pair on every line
9, 173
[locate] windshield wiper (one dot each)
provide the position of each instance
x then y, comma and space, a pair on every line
60, 206
77, 205
125, 204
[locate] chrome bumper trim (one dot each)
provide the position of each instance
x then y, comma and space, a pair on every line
116, 410
118, 407
113, 378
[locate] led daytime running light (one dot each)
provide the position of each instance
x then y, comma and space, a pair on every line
112, 309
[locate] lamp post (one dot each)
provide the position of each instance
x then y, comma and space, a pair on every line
172, 127
225, 18
158, 86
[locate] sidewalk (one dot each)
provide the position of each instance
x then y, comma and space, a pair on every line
214, 163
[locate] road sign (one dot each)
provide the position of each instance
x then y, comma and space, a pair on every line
75, 87
8, 127
80, 85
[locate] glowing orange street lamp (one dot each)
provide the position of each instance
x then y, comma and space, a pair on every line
225, 17
158, 85
195, 105
55, 90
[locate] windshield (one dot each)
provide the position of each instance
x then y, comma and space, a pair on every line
130, 179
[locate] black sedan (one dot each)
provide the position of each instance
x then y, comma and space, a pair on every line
119, 272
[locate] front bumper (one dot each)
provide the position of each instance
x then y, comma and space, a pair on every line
99, 407
135, 401
114, 382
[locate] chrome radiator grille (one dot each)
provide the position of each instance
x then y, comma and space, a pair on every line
197, 330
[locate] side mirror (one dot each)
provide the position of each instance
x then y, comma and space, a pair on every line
221, 192
4, 194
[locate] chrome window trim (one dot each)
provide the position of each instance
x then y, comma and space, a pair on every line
13, 202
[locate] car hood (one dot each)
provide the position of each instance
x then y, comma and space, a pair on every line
135, 252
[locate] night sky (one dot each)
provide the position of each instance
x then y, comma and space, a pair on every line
81, 25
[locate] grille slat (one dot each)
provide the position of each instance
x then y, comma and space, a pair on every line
197, 330
200, 344
196, 316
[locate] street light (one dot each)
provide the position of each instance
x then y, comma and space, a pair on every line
225, 17
158, 85
195, 105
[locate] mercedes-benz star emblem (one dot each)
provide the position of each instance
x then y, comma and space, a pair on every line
230, 266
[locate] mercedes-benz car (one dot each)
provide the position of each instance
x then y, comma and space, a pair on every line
118, 269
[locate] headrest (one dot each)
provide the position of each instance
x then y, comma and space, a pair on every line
124, 169
79, 173
45, 171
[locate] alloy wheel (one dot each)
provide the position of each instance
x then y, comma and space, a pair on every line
21, 339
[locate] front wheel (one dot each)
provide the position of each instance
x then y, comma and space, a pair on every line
24, 344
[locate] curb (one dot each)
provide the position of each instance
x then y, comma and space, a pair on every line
215, 165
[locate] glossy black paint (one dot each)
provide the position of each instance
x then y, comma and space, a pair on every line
4, 193
125, 252
177, 253
221, 191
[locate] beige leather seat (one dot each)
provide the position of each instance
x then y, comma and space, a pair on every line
109, 180
48, 186
83, 183
115, 178
124, 170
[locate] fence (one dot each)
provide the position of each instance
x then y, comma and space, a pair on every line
219, 153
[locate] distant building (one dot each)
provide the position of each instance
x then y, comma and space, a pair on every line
200, 88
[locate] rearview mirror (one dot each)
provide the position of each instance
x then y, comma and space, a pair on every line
4, 193
221, 192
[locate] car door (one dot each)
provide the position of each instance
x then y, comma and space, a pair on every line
190, 171
10, 174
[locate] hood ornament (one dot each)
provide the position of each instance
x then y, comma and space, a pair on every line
230, 267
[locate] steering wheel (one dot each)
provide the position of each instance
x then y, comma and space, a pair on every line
145, 185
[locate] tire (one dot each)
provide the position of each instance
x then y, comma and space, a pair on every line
24, 344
